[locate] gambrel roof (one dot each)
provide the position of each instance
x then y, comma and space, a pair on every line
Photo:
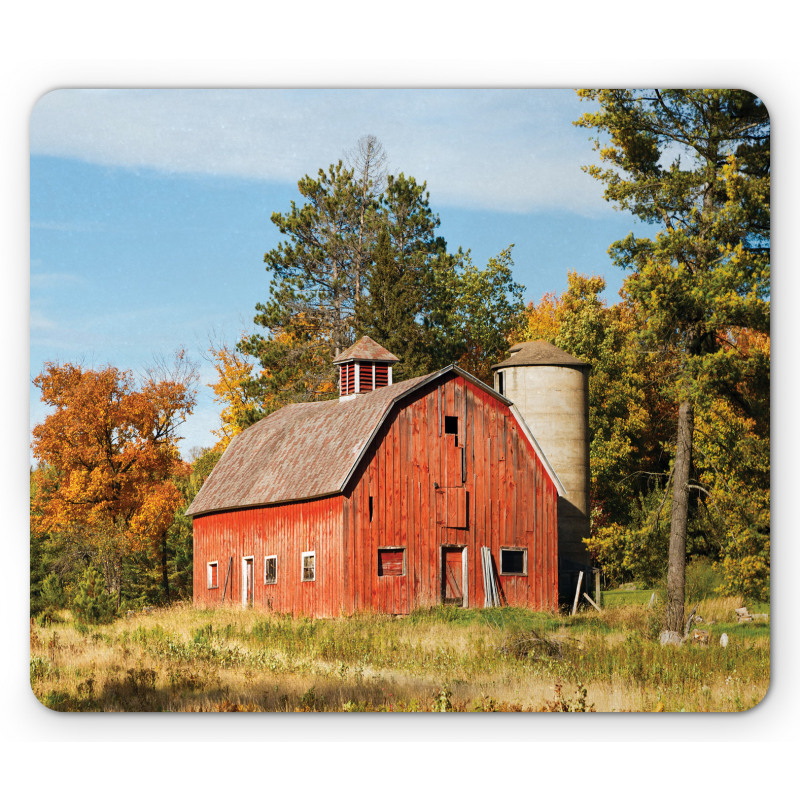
309, 450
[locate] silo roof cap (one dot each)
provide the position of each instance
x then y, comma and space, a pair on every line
538, 353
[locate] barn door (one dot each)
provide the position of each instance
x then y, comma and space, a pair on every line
248, 575
454, 576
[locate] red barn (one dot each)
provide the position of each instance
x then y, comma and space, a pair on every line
381, 500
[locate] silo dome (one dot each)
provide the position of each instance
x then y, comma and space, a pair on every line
550, 388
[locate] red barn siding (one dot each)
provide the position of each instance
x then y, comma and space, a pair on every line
508, 501
482, 486
286, 531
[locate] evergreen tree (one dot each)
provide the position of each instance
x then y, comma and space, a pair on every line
695, 164
359, 261
390, 312
93, 603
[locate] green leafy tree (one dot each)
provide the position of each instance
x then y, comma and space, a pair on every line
627, 460
361, 256
732, 456
487, 308
694, 163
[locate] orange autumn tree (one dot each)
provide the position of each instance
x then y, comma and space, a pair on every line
108, 458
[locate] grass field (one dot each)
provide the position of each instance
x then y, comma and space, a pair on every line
188, 659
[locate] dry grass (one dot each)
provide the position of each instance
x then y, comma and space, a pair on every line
189, 659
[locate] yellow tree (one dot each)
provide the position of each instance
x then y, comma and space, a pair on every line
295, 367
230, 391
543, 320
732, 444
111, 457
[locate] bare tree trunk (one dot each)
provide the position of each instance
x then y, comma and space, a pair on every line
676, 573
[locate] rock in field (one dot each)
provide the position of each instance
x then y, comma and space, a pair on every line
671, 637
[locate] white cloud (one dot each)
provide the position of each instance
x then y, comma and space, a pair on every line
513, 150
54, 280
39, 322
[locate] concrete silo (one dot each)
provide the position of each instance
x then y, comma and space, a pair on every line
550, 388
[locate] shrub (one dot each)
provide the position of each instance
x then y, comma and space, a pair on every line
442, 701
52, 596
40, 668
703, 579
93, 604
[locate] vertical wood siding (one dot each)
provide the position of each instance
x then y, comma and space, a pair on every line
285, 531
482, 486
492, 491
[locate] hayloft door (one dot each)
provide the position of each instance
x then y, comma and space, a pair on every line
454, 576
247, 581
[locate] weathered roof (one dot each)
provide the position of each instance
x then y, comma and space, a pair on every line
309, 450
365, 349
301, 451
540, 353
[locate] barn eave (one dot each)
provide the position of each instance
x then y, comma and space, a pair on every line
283, 502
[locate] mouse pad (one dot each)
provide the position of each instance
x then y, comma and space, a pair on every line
409, 400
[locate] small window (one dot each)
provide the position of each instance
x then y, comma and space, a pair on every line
501, 388
212, 574
513, 561
451, 426
271, 569
371, 508
391, 561
309, 566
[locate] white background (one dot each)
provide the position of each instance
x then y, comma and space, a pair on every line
92, 44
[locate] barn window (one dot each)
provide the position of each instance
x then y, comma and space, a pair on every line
212, 572
513, 561
371, 507
501, 383
271, 569
391, 561
451, 426
308, 564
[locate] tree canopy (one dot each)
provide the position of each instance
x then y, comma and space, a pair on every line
108, 460
360, 256
695, 164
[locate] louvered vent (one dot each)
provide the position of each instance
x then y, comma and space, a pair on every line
365, 378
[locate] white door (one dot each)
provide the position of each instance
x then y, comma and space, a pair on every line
247, 581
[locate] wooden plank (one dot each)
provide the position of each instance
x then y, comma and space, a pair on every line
577, 593
412, 568
428, 440
478, 519
591, 601
397, 507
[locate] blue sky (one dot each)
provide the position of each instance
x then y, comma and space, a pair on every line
150, 210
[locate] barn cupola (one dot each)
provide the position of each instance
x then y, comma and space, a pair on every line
364, 367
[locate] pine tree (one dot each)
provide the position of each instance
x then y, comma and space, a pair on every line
695, 164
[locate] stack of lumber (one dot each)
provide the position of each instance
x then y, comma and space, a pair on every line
490, 588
